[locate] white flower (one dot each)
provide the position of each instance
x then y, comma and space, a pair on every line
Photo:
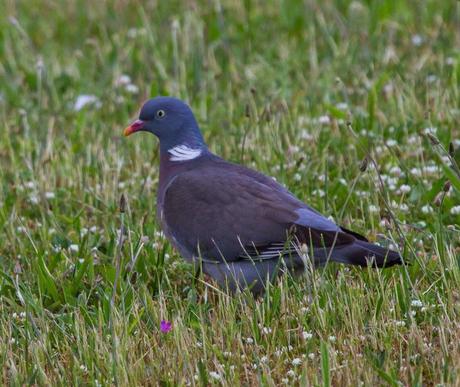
21, 229
290, 373
307, 335
332, 339
305, 135
342, 106
319, 192
416, 303
297, 177
297, 361
400, 323
405, 188
417, 40
33, 199
50, 195
430, 130
416, 171
123, 80
74, 247
266, 330
373, 208
390, 143
285, 380
455, 210
132, 88
93, 229
324, 120
395, 171
426, 209
30, 184
404, 207
311, 356
249, 340
215, 375
264, 359
86, 99
83, 231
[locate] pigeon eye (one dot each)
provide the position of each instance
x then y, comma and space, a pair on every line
161, 113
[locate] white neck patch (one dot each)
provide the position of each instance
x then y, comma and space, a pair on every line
183, 153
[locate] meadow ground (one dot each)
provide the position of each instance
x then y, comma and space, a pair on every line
301, 90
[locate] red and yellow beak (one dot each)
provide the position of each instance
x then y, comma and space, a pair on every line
134, 127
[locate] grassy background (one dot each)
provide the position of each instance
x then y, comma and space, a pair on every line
300, 90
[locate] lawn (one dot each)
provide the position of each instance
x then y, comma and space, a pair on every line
353, 105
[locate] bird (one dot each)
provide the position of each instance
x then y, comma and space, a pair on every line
238, 226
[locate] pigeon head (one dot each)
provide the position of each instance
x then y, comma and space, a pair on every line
172, 121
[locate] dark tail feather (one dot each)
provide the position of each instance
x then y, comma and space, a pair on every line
359, 253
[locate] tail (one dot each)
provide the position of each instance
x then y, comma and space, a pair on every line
360, 253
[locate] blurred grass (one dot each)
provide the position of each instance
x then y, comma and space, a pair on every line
303, 91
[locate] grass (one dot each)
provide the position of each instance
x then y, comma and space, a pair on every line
303, 91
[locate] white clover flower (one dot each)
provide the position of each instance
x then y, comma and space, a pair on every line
285, 380
83, 231
291, 373
305, 135
391, 142
455, 210
417, 40
430, 130
50, 195
405, 188
307, 335
123, 80
86, 100
33, 199
249, 340
311, 356
416, 303
21, 229
29, 184
396, 171
426, 209
93, 229
400, 323
416, 171
215, 375
324, 120
297, 177
332, 339
342, 106
297, 361
373, 208
319, 192
132, 88
404, 207
266, 330
74, 247
264, 359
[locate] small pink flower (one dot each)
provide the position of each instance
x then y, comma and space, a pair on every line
165, 326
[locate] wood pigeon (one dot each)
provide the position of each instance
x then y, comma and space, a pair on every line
239, 226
